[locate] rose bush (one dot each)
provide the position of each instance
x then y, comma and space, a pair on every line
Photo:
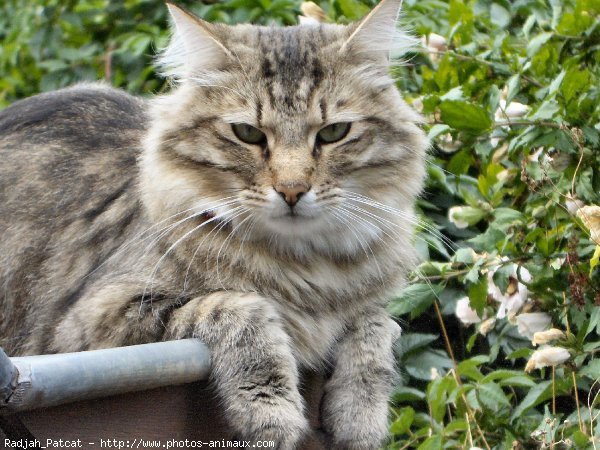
509, 229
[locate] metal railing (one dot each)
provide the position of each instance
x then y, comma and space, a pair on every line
32, 382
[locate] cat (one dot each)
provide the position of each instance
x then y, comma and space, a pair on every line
265, 205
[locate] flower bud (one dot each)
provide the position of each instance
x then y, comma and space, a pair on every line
513, 110
547, 357
486, 326
437, 42
543, 337
464, 216
313, 14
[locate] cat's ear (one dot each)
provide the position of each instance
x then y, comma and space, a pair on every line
194, 49
377, 34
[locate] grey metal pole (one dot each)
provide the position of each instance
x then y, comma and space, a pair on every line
49, 380
8, 376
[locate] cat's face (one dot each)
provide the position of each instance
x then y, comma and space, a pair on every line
280, 130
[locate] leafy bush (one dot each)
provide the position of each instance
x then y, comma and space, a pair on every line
510, 223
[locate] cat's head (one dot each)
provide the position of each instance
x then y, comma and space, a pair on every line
286, 132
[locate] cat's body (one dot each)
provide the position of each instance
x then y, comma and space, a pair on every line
125, 223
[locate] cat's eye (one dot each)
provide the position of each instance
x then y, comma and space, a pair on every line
333, 133
248, 134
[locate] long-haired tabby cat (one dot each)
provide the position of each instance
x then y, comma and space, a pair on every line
264, 205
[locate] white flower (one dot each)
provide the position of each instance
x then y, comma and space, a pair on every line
516, 293
530, 323
535, 156
543, 337
417, 104
511, 111
448, 144
464, 216
313, 14
505, 175
573, 204
547, 356
303, 20
433, 373
486, 326
436, 41
590, 216
465, 313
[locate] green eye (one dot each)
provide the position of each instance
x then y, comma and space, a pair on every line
248, 134
334, 132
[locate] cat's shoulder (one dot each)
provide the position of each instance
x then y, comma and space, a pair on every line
81, 106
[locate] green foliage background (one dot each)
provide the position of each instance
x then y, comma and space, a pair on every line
506, 181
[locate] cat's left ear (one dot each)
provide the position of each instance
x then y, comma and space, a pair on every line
194, 48
377, 34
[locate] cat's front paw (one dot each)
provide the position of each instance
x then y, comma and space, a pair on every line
362, 433
282, 424
354, 416
253, 367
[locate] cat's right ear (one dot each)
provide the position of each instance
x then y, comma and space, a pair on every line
194, 50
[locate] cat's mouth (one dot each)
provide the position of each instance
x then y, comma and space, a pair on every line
294, 215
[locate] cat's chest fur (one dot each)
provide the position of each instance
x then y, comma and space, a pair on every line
316, 295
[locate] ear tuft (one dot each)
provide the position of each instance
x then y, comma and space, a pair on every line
194, 50
377, 33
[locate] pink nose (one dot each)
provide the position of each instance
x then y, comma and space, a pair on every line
291, 192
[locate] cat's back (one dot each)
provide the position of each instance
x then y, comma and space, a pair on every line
59, 147
68, 193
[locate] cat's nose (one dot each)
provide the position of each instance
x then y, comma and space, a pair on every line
291, 192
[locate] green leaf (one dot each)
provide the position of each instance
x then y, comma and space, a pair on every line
491, 396
437, 395
546, 110
468, 368
590, 370
507, 216
413, 341
594, 323
581, 440
431, 443
575, 81
513, 86
595, 259
499, 15
478, 295
414, 299
465, 116
419, 364
404, 394
405, 419
353, 9
535, 43
436, 130
540, 393
460, 162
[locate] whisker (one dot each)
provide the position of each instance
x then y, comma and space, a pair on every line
226, 242
352, 196
139, 237
177, 242
166, 230
355, 232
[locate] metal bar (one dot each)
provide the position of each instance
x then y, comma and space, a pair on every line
49, 380
8, 376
